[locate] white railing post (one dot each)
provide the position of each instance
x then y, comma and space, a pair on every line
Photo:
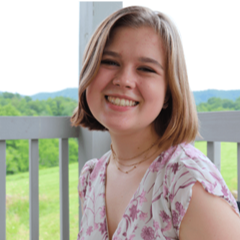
64, 189
214, 153
33, 189
238, 170
101, 143
3, 189
84, 154
91, 14
85, 27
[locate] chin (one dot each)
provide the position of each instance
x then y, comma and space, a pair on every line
119, 129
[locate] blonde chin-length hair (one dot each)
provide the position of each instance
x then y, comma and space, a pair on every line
178, 121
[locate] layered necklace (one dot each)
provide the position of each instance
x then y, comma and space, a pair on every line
133, 165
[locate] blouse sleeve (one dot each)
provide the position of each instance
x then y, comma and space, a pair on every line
84, 180
192, 166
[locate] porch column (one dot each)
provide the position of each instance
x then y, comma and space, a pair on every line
92, 143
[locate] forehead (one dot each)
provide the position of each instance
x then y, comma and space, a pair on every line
127, 30
140, 42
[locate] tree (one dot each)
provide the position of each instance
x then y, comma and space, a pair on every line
237, 104
17, 156
227, 104
8, 95
9, 110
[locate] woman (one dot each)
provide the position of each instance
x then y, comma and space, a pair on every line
152, 184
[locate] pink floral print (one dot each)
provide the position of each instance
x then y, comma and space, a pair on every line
89, 230
147, 233
143, 216
133, 212
142, 198
164, 216
175, 167
103, 228
158, 206
102, 212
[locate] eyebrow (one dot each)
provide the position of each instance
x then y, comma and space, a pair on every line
141, 59
111, 53
150, 60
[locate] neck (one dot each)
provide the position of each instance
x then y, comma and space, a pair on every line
128, 147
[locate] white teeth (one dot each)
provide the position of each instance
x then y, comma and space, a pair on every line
121, 102
117, 101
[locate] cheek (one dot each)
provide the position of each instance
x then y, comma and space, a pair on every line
99, 83
91, 90
94, 96
155, 94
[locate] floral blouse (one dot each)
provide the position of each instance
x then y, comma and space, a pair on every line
161, 200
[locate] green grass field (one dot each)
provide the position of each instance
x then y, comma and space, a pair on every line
18, 195
228, 162
49, 224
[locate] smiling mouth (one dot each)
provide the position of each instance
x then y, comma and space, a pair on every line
121, 101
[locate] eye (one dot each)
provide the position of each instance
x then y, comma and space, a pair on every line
146, 69
109, 62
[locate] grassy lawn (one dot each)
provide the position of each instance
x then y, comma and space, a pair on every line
228, 162
18, 195
49, 222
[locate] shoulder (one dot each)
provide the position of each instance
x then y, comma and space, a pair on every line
209, 217
185, 161
90, 172
186, 166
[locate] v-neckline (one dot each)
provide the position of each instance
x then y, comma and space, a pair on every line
127, 207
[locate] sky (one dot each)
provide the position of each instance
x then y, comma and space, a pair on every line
39, 43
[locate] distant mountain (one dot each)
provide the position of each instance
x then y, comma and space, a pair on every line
69, 92
199, 96
203, 96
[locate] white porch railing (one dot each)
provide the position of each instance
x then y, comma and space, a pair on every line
35, 128
215, 127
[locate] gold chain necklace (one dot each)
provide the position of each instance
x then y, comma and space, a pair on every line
114, 155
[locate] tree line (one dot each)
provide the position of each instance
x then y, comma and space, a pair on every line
217, 104
17, 151
17, 105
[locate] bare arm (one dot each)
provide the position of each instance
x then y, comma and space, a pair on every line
209, 217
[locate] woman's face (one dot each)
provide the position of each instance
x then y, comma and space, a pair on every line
128, 91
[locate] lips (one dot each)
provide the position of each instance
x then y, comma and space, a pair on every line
121, 101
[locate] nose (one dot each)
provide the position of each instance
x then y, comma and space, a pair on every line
125, 79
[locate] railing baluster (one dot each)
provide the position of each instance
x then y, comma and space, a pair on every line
238, 171
3, 189
80, 166
33, 189
64, 192
214, 153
